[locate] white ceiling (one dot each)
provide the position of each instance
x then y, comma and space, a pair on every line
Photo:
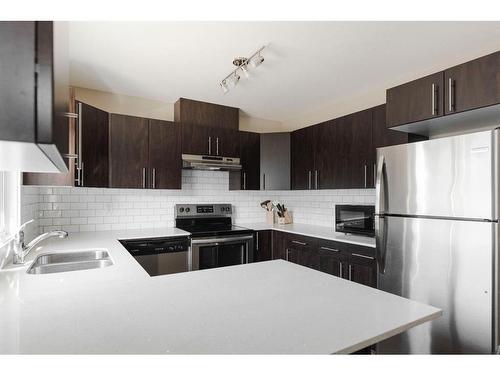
309, 66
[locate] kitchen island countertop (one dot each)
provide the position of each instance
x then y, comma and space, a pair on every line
268, 307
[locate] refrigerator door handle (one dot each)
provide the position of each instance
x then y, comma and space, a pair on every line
381, 242
380, 186
380, 208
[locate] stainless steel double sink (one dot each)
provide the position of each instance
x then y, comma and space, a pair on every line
70, 261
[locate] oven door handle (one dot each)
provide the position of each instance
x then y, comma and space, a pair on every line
219, 240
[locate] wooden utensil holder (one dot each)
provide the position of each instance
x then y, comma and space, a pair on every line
286, 219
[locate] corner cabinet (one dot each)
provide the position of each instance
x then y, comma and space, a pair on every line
144, 153
249, 176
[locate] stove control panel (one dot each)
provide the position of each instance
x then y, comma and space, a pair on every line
202, 210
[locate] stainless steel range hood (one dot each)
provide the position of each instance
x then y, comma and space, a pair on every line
210, 163
31, 157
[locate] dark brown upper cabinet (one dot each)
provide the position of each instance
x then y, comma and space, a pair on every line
467, 86
34, 95
144, 153
165, 164
94, 141
417, 100
334, 154
356, 136
196, 140
128, 151
472, 85
249, 176
302, 147
188, 111
204, 140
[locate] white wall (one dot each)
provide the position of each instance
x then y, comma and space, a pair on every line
141, 107
91, 209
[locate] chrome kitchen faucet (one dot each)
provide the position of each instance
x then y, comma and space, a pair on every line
21, 250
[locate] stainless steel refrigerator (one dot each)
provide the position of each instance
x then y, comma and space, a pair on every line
437, 211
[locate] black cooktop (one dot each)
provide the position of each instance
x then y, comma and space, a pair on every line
210, 226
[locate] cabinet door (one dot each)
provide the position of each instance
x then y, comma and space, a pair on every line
472, 85
279, 245
225, 142
195, 140
128, 151
250, 160
361, 152
418, 100
325, 155
263, 245
302, 158
332, 261
95, 146
165, 164
302, 250
363, 269
275, 161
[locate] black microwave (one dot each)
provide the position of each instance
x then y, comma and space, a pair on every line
355, 219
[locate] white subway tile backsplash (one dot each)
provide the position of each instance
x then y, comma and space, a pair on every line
89, 209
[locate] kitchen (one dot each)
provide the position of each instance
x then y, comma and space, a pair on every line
116, 195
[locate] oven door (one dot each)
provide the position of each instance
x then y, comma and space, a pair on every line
212, 252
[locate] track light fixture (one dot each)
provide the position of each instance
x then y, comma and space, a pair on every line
242, 65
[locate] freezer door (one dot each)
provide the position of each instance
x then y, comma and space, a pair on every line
448, 177
447, 264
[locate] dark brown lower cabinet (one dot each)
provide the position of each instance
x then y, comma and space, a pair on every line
348, 261
263, 245
362, 269
332, 261
279, 245
301, 250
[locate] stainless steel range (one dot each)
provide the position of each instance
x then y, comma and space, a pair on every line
215, 241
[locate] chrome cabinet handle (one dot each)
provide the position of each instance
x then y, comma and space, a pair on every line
316, 178
451, 90
362, 256
69, 114
374, 174
350, 271
217, 146
310, 180
209, 145
365, 175
433, 99
143, 178
287, 252
299, 243
244, 180
70, 156
329, 249
263, 181
79, 164
82, 174
153, 172
341, 270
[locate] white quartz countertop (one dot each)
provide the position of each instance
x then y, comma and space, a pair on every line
267, 307
318, 231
